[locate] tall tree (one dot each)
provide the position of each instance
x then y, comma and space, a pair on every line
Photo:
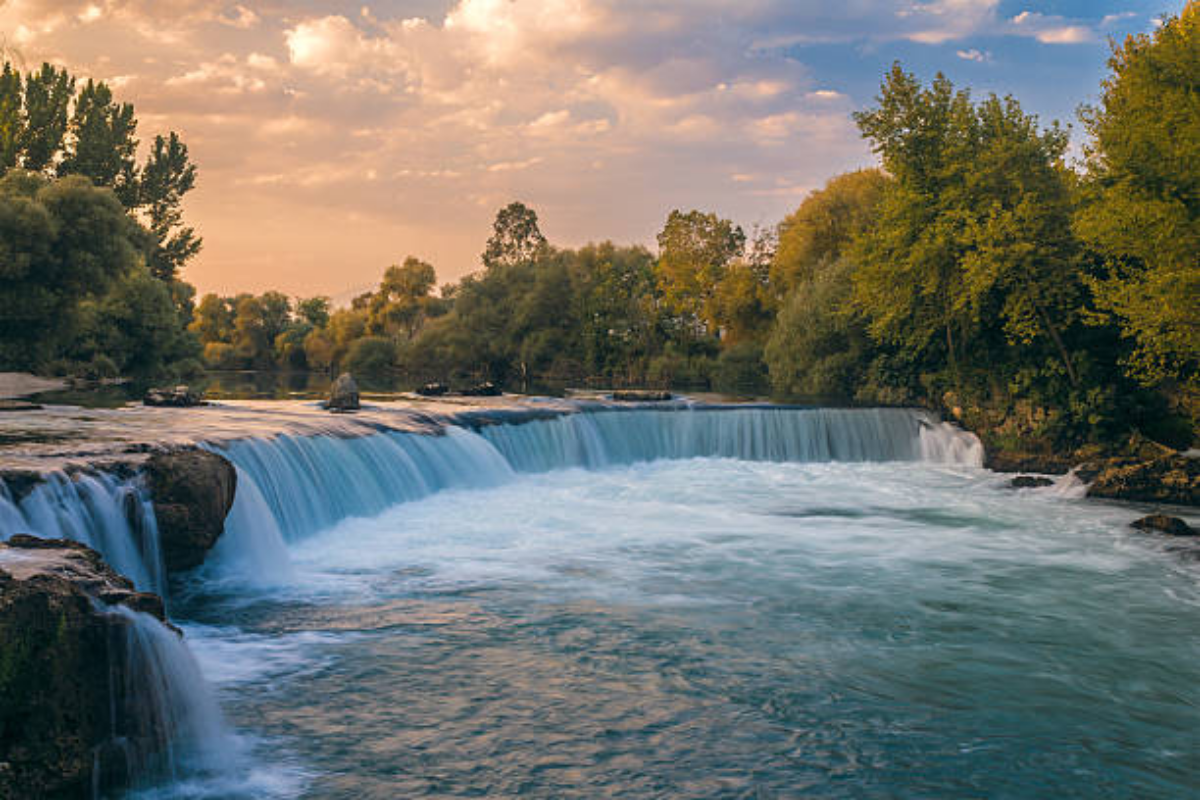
974, 227
1144, 186
515, 237
695, 249
11, 117
404, 293
102, 144
167, 176
48, 94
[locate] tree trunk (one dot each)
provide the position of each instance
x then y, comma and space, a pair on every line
1058, 343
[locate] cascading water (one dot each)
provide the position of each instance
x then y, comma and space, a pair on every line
293, 486
165, 722
112, 516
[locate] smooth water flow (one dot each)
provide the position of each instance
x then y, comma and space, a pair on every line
114, 517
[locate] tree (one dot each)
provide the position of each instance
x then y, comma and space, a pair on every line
167, 176
404, 293
11, 122
60, 243
694, 251
973, 228
48, 94
825, 225
102, 144
1143, 187
515, 237
314, 311
213, 319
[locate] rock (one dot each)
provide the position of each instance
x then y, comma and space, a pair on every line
178, 397
343, 395
640, 396
19, 405
1167, 479
433, 390
1164, 524
1030, 482
192, 491
485, 389
66, 703
1045, 463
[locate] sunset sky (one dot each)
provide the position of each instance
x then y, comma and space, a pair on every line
335, 138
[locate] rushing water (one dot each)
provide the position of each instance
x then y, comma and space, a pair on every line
754, 603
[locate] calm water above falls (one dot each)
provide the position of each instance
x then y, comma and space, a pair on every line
712, 628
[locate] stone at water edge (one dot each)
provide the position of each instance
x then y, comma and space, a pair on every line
178, 397
1161, 523
192, 491
343, 395
485, 389
1030, 482
640, 396
63, 669
433, 389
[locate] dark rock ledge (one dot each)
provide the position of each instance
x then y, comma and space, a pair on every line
192, 491
65, 703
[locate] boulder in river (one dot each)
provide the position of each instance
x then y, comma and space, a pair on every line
177, 397
433, 389
343, 395
192, 491
640, 396
485, 389
65, 704
1162, 523
1030, 482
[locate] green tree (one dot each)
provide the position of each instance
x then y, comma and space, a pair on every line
404, 294
314, 311
515, 237
102, 144
166, 177
61, 243
825, 225
48, 94
1143, 188
213, 319
973, 229
695, 250
11, 122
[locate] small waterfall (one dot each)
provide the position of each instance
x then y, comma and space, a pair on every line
165, 722
292, 486
112, 516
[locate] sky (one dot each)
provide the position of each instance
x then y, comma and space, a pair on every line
335, 138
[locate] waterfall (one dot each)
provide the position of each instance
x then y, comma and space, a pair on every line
165, 723
112, 516
290, 486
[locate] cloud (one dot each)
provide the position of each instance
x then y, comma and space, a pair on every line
1050, 29
973, 55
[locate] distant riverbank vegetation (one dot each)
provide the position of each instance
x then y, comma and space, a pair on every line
976, 269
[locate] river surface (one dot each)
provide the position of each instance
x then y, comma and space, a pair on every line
710, 627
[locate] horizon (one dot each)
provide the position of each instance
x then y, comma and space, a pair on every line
334, 142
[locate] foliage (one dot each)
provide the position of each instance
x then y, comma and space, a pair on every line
1143, 192
695, 250
516, 238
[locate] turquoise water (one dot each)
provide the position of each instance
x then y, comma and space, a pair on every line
711, 627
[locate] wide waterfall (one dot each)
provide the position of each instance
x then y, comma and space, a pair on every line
108, 514
292, 486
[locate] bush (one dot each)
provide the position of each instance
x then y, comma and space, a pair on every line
740, 370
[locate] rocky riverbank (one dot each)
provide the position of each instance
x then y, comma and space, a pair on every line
68, 718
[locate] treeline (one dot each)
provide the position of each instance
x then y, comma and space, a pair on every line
976, 269
91, 240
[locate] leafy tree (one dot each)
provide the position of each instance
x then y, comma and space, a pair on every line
11, 122
60, 243
48, 94
973, 228
371, 355
167, 176
213, 319
825, 225
515, 238
102, 144
695, 250
1143, 214
403, 296
314, 311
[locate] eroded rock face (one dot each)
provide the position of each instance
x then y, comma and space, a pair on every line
63, 660
1166, 479
192, 491
343, 395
